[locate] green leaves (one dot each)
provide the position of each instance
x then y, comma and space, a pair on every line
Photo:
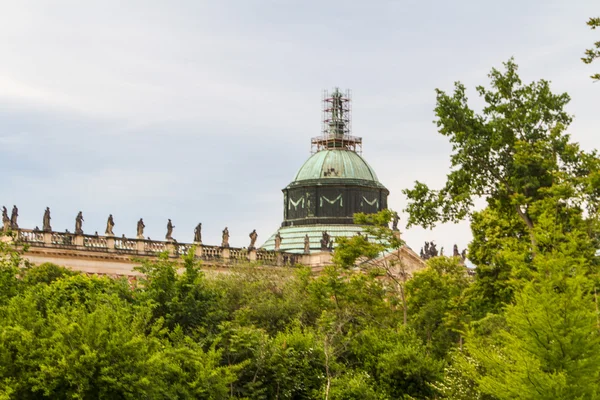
512, 147
594, 52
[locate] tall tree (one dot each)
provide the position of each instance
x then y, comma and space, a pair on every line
594, 52
516, 146
381, 254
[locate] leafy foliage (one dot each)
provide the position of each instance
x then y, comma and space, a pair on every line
593, 53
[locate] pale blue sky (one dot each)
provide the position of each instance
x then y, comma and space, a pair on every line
203, 111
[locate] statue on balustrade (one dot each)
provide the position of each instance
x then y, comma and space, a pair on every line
198, 233
429, 251
169, 235
79, 224
225, 241
46, 222
306, 244
13, 218
395, 220
278, 241
5, 219
253, 236
110, 224
140, 228
325, 241
455, 252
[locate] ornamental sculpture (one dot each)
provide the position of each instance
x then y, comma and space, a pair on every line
429, 251
169, 235
306, 244
140, 228
110, 224
46, 222
225, 241
5, 219
253, 236
13, 218
278, 241
455, 252
198, 233
79, 224
325, 242
395, 220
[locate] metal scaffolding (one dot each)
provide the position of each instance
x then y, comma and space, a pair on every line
336, 124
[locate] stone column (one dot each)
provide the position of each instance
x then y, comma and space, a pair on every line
47, 237
199, 250
78, 240
279, 259
252, 255
171, 248
110, 242
139, 246
225, 253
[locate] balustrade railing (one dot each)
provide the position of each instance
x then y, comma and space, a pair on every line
98, 242
62, 239
211, 252
266, 256
125, 244
152, 248
31, 236
182, 249
238, 254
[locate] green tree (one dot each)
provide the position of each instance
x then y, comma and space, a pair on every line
379, 255
550, 347
436, 298
516, 146
593, 53
515, 154
186, 300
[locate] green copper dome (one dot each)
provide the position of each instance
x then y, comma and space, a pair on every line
336, 164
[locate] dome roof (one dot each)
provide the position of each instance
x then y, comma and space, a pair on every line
336, 164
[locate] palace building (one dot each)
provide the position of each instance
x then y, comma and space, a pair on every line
333, 184
319, 204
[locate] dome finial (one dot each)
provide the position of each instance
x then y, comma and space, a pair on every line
336, 129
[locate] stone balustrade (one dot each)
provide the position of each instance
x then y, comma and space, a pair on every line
151, 248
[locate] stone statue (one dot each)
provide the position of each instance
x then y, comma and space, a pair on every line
306, 244
225, 241
169, 235
253, 236
198, 233
140, 228
442, 251
325, 245
110, 224
46, 222
395, 220
79, 224
278, 241
463, 255
36, 229
455, 252
5, 219
432, 250
429, 251
13, 218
